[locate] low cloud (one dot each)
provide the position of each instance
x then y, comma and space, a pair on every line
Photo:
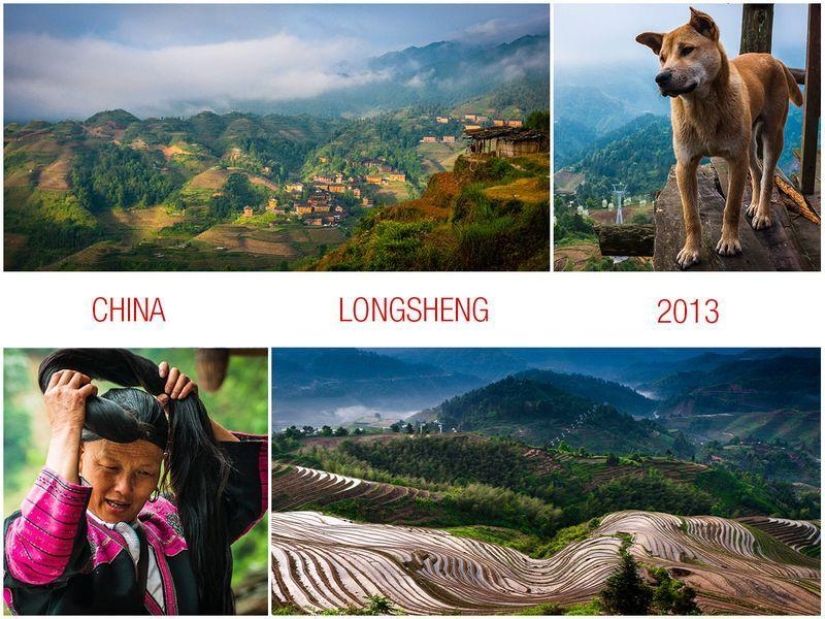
54, 78
505, 30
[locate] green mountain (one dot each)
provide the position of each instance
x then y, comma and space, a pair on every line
73, 185
468, 479
595, 389
540, 413
639, 154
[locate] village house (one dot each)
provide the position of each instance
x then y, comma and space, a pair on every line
448, 139
337, 188
339, 209
471, 127
482, 119
248, 211
442, 120
272, 204
294, 187
319, 197
471, 117
514, 123
398, 177
367, 203
321, 208
429, 139
498, 122
302, 209
374, 180
356, 192
508, 141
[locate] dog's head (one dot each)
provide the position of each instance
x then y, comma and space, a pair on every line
689, 56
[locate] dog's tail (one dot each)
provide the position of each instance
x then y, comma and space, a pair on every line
794, 92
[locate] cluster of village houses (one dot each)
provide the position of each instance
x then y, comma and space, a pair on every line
324, 208
472, 122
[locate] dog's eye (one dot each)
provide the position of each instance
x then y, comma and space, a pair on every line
686, 50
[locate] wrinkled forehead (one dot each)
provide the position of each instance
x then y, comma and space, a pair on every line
683, 35
138, 452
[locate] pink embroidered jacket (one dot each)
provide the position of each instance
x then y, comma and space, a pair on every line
59, 559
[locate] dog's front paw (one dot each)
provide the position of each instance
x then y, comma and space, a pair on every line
761, 220
688, 257
752, 209
728, 245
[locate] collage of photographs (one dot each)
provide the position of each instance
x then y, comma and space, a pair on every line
274, 467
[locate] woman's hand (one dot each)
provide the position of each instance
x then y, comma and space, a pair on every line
65, 400
178, 386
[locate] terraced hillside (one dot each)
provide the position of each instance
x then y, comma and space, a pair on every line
802, 536
296, 487
321, 562
735, 569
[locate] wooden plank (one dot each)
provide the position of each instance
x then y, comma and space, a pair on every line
812, 107
778, 244
757, 28
626, 240
776, 248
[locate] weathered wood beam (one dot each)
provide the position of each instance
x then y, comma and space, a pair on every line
812, 107
757, 28
626, 240
211, 364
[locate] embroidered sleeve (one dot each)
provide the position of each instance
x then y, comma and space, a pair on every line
47, 535
248, 486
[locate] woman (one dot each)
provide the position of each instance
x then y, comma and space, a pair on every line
132, 513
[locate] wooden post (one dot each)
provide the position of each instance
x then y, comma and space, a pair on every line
812, 107
212, 364
626, 240
757, 28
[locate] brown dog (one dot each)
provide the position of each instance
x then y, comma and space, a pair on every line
718, 108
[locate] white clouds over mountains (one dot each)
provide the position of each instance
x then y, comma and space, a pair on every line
55, 78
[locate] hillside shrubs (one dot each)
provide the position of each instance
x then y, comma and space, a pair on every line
116, 176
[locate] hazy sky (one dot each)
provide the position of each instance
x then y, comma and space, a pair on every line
69, 61
589, 35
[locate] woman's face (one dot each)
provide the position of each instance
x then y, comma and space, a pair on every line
122, 475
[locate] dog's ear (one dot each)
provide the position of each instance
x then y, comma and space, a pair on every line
704, 24
652, 39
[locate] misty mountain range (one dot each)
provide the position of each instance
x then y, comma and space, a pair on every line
334, 386
442, 74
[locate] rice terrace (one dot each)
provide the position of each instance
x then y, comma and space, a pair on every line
512, 498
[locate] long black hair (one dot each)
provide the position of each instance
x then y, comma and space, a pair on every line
198, 468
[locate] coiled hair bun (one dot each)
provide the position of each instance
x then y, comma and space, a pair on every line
198, 468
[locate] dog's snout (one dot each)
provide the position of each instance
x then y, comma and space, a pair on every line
663, 78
